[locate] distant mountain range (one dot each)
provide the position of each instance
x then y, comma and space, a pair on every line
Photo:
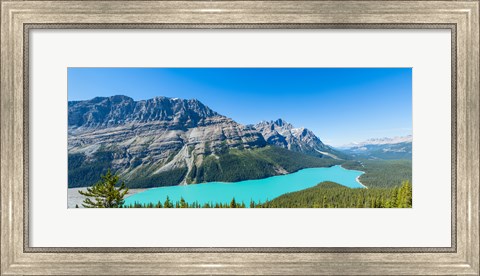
381, 148
169, 141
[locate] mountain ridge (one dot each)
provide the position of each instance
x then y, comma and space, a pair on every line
300, 139
399, 147
380, 141
169, 141
116, 110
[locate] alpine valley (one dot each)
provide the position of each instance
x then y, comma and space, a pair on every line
170, 141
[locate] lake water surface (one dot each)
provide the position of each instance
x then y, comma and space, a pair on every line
256, 190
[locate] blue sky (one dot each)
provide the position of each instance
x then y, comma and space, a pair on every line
340, 105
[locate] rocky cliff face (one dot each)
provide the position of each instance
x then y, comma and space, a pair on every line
104, 112
141, 138
283, 134
168, 141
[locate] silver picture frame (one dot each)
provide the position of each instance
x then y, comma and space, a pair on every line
18, 18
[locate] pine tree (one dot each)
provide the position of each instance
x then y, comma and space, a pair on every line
104, 193
233, 204
183, 204
393, 198
408, 188
404, 196
168, 203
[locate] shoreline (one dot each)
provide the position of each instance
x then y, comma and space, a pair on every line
341, 174
74, 198
358, 177
358, 180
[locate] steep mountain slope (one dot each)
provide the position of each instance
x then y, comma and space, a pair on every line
283, 134
381, 148
166, 141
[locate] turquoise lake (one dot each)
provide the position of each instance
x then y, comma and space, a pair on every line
256, 190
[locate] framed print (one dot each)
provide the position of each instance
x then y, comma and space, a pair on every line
240, 137
168, 145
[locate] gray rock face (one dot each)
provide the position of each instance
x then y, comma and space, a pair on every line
102, 112
283, 134
166, 140
148, 137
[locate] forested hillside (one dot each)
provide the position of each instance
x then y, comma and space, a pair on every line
230, 165
382, 173
324, 195
236, 165
333, 195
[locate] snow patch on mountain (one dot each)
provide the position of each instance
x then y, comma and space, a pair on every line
379, 141
381, 148
283, 134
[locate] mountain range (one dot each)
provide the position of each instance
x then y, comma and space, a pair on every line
283, 134
381, 148
170, 141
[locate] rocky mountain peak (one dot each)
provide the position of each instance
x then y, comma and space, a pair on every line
280, 122
147, 138
102, 112
283, 134
278, 125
